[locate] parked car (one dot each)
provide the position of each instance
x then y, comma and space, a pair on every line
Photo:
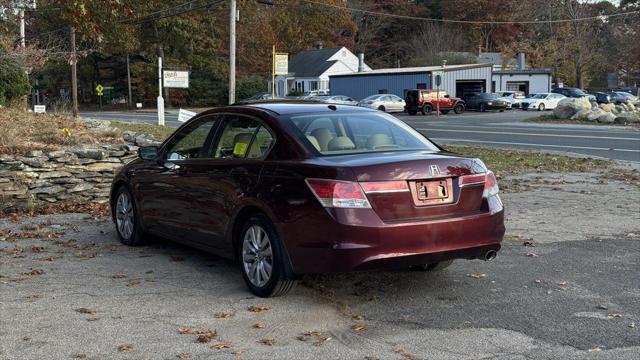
514, 98
336, 99
485, 101
119, 100
383, 102
428, 100
601, 97
623, 97
573, 93
316, 93
542, 101
288, 189
260, 96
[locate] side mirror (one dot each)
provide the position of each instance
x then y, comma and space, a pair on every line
148, 152
447, 96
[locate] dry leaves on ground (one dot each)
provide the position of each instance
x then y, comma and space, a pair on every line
133, 283
532, 254
33, 272
260, 308
358, 317
125, 347
359, 327
84, 310
322, 340
268, 342
205, 335
223, 315
259, 325
79, 356
184, 356
614, 315
221, 346
118, 276
477, 275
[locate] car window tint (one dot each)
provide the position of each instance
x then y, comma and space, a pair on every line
261, 144
189, 141
237, 137
359, 133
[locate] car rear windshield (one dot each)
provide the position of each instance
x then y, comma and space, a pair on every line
362, 132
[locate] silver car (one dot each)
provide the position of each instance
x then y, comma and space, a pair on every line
336, 99
383, 102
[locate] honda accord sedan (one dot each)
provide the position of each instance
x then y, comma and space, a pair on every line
288, 189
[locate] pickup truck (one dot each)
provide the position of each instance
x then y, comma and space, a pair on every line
427, 100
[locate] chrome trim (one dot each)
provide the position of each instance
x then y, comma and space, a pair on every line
386, 191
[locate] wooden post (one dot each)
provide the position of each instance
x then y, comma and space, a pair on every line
74, 79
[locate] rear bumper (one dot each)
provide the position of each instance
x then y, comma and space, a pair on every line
342, 247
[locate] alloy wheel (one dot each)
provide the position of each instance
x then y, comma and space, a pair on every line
257, 256
124, 215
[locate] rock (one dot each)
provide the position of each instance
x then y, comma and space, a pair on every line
35, 153
632, 107
581, 115
594, 105
90, 153
54, 174
100, 125
618, 109
570, 106
36, 162
57, 154
627, 117
50, 190
145, 140
606, 118
81, 187
607, 107
595, 114
129, 136
103, 166
117, 153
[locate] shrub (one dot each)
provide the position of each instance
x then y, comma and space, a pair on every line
14, 82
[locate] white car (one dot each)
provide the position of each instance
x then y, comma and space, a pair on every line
383, 102
541, 101
336, 99
513, 98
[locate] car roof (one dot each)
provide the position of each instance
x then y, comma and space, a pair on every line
286, 108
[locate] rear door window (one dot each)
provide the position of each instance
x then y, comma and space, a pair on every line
243, 137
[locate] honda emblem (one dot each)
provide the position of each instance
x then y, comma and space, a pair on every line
435, 170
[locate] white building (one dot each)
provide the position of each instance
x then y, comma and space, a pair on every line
309, 70
529, 81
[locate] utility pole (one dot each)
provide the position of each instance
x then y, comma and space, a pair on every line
232, 51
130, 100
21, 14
74, 79
160, 99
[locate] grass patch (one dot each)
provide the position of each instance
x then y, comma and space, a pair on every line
512, 162
21, 131
158, 132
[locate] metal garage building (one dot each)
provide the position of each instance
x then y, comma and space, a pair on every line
458, 80
529, 81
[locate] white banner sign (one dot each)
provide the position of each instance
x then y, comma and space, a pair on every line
184, 115
40, 109
281, 64
175, 79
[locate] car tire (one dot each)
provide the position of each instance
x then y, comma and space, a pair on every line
541, 107
482, 108
381, 108
501, 110
260, 247
458, 109
427, 109
127, 219
433, 267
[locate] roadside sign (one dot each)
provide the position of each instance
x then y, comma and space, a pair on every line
175, 79
437, 77
99, 90
184, 115
281, 63
39, 109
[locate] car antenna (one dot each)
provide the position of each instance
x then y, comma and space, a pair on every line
333, 107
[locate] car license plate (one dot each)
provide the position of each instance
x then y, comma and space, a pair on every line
432, 192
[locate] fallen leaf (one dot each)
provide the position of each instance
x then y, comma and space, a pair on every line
33, 296
184, 330
602, 307
532, 255
125, 347
84, 310
268, 342
221, 346
223, 315
537, 281
79, 356
358, 317
133, 283
38, 249
632, 325
205, 336
118, 276
562, 283
92, 318
528, 243
259, 325
34, 272
477, 275
322, 340
257, 309
358, 327
614, 315
184, 356
237, 352
595, 349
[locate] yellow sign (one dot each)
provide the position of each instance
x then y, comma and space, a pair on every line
239, 149
99, 89
281, 63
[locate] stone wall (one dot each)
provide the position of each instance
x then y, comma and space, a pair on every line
75, 174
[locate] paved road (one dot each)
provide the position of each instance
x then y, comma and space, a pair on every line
505, 130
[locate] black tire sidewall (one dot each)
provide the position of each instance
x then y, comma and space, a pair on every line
427, 109
381, 108
278, 272
458, 109
136, 235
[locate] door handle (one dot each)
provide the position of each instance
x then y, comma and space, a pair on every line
175, 168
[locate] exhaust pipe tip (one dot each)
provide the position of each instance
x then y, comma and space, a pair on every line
490, 255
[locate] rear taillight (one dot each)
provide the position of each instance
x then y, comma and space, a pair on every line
338, 194
488, 178
384, 186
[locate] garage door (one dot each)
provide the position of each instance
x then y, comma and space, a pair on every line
466, 87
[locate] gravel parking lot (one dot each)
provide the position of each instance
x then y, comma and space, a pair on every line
565, 285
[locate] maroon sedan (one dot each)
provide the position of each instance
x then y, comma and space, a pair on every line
290, 188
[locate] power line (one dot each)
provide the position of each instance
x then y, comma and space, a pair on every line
407, 17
